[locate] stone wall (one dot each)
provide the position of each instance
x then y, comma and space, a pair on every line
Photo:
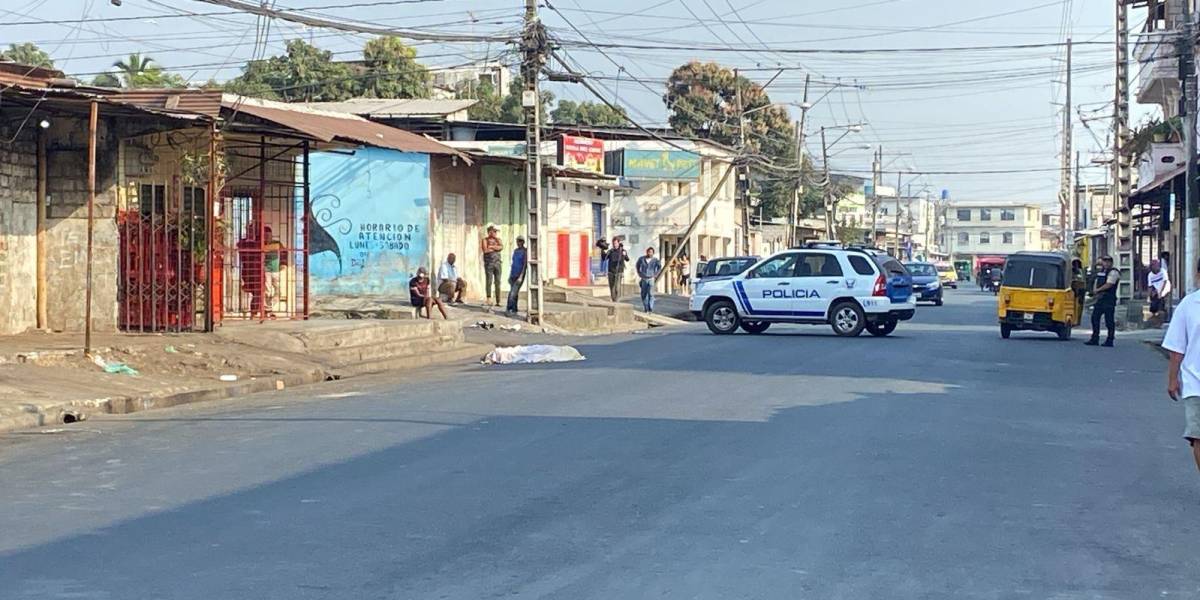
66, 226
18, 231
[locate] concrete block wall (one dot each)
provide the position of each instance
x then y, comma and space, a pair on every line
18, 232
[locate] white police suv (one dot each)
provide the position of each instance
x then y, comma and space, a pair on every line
849, 288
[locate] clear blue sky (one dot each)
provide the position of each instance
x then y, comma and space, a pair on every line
950, 111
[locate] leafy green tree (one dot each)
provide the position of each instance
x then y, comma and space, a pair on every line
702, 100
304, 73
502, 108
392, 71
28, 54
587, 113
137, 71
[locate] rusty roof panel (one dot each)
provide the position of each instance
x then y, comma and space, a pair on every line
205, 102
329, 126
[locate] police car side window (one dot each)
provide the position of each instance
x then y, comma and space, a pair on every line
861, 265
780, 266
818, 265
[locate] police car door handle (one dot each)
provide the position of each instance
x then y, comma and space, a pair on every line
784, 283
833, 281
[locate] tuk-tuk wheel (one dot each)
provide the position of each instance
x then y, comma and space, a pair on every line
1005, 331
1064, 332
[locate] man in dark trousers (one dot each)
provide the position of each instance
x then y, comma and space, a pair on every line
1104, 301
648, 268
516, 275
490, 247
617, 257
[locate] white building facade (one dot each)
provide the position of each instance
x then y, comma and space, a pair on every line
991, 229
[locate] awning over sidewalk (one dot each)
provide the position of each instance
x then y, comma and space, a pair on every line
1151, 192
328, 126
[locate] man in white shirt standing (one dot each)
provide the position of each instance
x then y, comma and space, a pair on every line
1183, 373
1159, 285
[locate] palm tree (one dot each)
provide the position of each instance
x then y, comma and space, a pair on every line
133, 67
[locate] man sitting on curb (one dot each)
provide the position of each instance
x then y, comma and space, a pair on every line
450, 285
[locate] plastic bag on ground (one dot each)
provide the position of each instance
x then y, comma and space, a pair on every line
538, 353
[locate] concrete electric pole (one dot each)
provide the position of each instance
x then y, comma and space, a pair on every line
795, 214
1187, 68
533, 57
1064, 198
1121, 163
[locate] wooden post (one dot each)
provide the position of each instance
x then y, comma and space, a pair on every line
42, 317
91, 211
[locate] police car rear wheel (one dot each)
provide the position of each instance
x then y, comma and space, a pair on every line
722, 318
848, 319
755, 327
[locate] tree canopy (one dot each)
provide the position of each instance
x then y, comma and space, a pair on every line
392, 71
570, 112
502, 108
702, 102
304, 73
28, 54
138, 71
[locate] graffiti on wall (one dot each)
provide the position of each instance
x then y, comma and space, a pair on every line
369, 225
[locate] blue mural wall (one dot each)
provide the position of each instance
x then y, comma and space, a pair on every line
371, 218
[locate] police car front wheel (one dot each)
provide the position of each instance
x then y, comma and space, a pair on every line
722, 317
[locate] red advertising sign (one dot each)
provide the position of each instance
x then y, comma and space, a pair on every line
585, 154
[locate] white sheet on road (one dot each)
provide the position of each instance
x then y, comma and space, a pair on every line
537, 353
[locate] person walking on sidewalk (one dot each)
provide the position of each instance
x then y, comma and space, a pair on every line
648, 268
617, 257
1183, 371
1104, 301
418, 292
516, 275
491, 246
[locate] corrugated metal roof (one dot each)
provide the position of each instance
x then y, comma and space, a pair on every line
205, 102
12, 73
67, 99
381, 108
329, 126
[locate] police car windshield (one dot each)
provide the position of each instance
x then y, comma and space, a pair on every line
922, 270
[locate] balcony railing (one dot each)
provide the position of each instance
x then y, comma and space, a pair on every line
1157, 69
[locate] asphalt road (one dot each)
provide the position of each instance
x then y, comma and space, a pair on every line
940, 463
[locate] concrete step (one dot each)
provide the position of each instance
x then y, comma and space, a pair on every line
348, 355
458, 354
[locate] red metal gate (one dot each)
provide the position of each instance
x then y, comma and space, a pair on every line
161, 272
261, 225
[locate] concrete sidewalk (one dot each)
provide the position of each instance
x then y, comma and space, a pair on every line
47, 379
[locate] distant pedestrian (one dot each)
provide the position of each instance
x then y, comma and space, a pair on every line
685, 274
516, 275
491, 246
419, 294
1158, 283
1104, 301
1183, 373
450, 285
617, 257
648, 267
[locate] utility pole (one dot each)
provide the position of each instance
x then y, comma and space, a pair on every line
743, 180
1187, 66
876, 181
799, 164
1065, 176
828, 191
533, 57
1121, 163
1075, 224
898, 174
